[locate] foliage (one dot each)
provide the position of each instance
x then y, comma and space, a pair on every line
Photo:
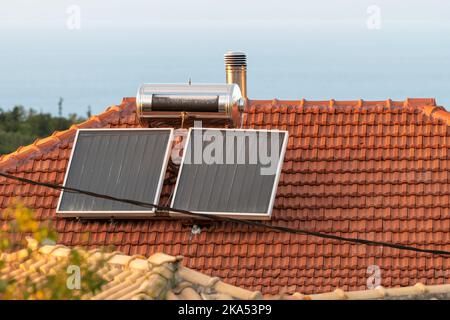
53, 285
21, 221
20, 127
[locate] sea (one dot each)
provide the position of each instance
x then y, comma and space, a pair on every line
94, 67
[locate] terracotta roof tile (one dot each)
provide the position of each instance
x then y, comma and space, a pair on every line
370, 169
127, 277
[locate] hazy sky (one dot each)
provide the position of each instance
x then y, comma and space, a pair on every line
132, 13
296, 49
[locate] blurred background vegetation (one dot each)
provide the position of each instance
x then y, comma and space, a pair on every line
52, 284
20, 126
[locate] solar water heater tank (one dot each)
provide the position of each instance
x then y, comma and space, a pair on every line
200, 100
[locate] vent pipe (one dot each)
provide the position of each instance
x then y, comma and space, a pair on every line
236, 70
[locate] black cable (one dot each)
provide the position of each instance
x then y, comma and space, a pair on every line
227, 219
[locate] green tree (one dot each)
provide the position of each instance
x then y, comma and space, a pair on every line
19, 126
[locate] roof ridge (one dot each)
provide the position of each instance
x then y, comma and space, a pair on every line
152, 264
437, 112
41, 145
427, 106
117, 258
379, 292
331, 104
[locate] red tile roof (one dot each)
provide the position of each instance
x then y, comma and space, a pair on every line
378, 170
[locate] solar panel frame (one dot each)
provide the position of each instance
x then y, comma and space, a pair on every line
126, 214
246, 215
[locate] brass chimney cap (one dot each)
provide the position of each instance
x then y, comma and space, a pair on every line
234, 58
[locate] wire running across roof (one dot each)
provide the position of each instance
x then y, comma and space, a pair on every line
124, 163
230, 171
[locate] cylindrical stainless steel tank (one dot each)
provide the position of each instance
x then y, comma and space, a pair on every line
188, 98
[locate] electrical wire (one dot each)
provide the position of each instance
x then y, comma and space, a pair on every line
228, 219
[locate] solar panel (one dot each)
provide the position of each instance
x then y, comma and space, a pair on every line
124, 163
230, 172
